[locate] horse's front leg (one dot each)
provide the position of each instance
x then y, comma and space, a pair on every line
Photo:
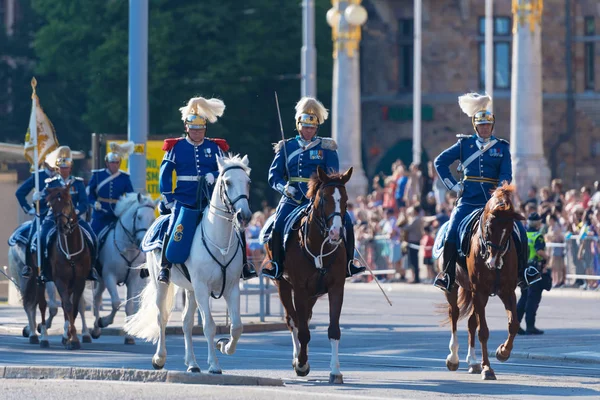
336, 298
85, 333
41, 296
111, 285
29, 330
227, 346
301, 365
510, 305
452, 360
474, 365
53, 303
208, 324
285, 295
134, 287
479, 303
188, 325
162, 292
98, 291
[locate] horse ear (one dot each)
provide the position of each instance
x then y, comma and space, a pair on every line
346, 176
322, 175
140, 198
245, 160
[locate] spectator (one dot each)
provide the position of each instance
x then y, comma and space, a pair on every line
556, 237
255, 249
412, 226
427, 242
401, 188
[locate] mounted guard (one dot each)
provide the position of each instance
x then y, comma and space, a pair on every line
485, 164
194, 160
296, 161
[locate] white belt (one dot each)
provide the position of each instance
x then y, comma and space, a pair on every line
188, 178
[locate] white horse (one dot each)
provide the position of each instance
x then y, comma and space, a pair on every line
121, 256
215, 266
16, 262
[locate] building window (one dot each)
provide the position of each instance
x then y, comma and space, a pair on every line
405, 54
589, 30
502, 52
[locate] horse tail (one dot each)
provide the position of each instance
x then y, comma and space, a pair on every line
143, 324
465, 303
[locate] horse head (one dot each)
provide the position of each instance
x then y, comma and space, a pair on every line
496, 226
59, 199
233, 187
136, 213
330, 199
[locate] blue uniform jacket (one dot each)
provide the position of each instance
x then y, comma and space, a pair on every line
106, 186
189, 162
78, 194
29, 185
303, 160
494, 166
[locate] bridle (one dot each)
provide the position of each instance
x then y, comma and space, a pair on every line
69, 225
321, 219
486, 244
132, 235
224, 195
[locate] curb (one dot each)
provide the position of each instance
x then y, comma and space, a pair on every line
547, 357
132, 375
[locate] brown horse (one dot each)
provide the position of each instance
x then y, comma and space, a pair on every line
70, 258
316, 264
492, 266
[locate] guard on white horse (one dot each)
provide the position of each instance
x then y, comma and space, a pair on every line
120, 255
211, 265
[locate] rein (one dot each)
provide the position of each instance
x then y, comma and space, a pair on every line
63, 245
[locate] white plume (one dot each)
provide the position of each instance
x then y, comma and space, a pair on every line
210, 109
122, 149
471, 103
311, 105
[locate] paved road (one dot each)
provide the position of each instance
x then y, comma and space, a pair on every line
386, 352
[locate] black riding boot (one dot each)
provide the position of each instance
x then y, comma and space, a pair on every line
276, 246
445, 280
93, 276
248, 271
351, 268
527, 274
165, 271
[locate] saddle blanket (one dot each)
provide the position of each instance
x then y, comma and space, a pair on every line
153, 239
52, 235
103, 235
20, 235
290, 221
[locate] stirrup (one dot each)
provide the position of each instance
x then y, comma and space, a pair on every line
93, 276
442, 281
248, 272
353, 269
26, 271
272, 273
164, 275
532, 275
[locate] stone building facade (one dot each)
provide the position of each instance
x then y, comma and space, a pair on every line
452, 64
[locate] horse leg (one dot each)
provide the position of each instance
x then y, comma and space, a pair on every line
474, 365
42, 304
479, 303
29, 330
336, 298
85, 333
285, 295
301, 365
160, 357
98, 291
189, 310
452, 360
227, 346
77, 297
53, 303
111, 285
132, 303
210, 329
510, 305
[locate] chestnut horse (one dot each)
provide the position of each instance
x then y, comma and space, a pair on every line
316, 264
491, 267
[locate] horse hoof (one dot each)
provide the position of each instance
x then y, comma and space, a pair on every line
156, 366
452, 366
488, 375
64, 341
336, 379
101, 323
301, 371
475, 369
39, 328
500, 357
25, 331
86, 339
195, 370
96, 335
34, 339
221, 344
129, 340
44, 344
73, 346
215, 371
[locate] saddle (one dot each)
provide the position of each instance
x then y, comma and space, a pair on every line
153, 239
291, 222
21, 234
103, 235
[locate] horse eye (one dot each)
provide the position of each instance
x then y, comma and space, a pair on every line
228, 183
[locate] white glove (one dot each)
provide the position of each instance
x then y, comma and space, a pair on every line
458, 188
289, 191
31, 211
97, 206
36, 196
210, 178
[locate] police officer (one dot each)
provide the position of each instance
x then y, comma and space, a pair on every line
485, 163
108, 185
194, 159
296, 160
531, 296
64, 162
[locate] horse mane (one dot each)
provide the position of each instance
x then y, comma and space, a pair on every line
128, 200
315, 183
504, 194
230, 160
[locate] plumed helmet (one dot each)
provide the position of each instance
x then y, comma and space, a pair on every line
199, 111
60, 158
310, 112
118, 151
476, 106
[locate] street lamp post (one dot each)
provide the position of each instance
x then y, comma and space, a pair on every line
309, 54
346, 18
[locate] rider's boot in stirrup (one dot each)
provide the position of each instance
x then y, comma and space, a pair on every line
351, 269
248, 271
276, 268
445, 280
165, 272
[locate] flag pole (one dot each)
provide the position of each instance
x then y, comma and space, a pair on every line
33, 133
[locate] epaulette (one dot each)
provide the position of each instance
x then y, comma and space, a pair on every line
277, 146
222, 143
328, 144
98, 170
462, 136
169, 143
123, 172
503, 141
77, 178
48, 180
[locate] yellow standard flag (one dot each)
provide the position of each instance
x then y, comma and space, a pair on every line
46, 136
